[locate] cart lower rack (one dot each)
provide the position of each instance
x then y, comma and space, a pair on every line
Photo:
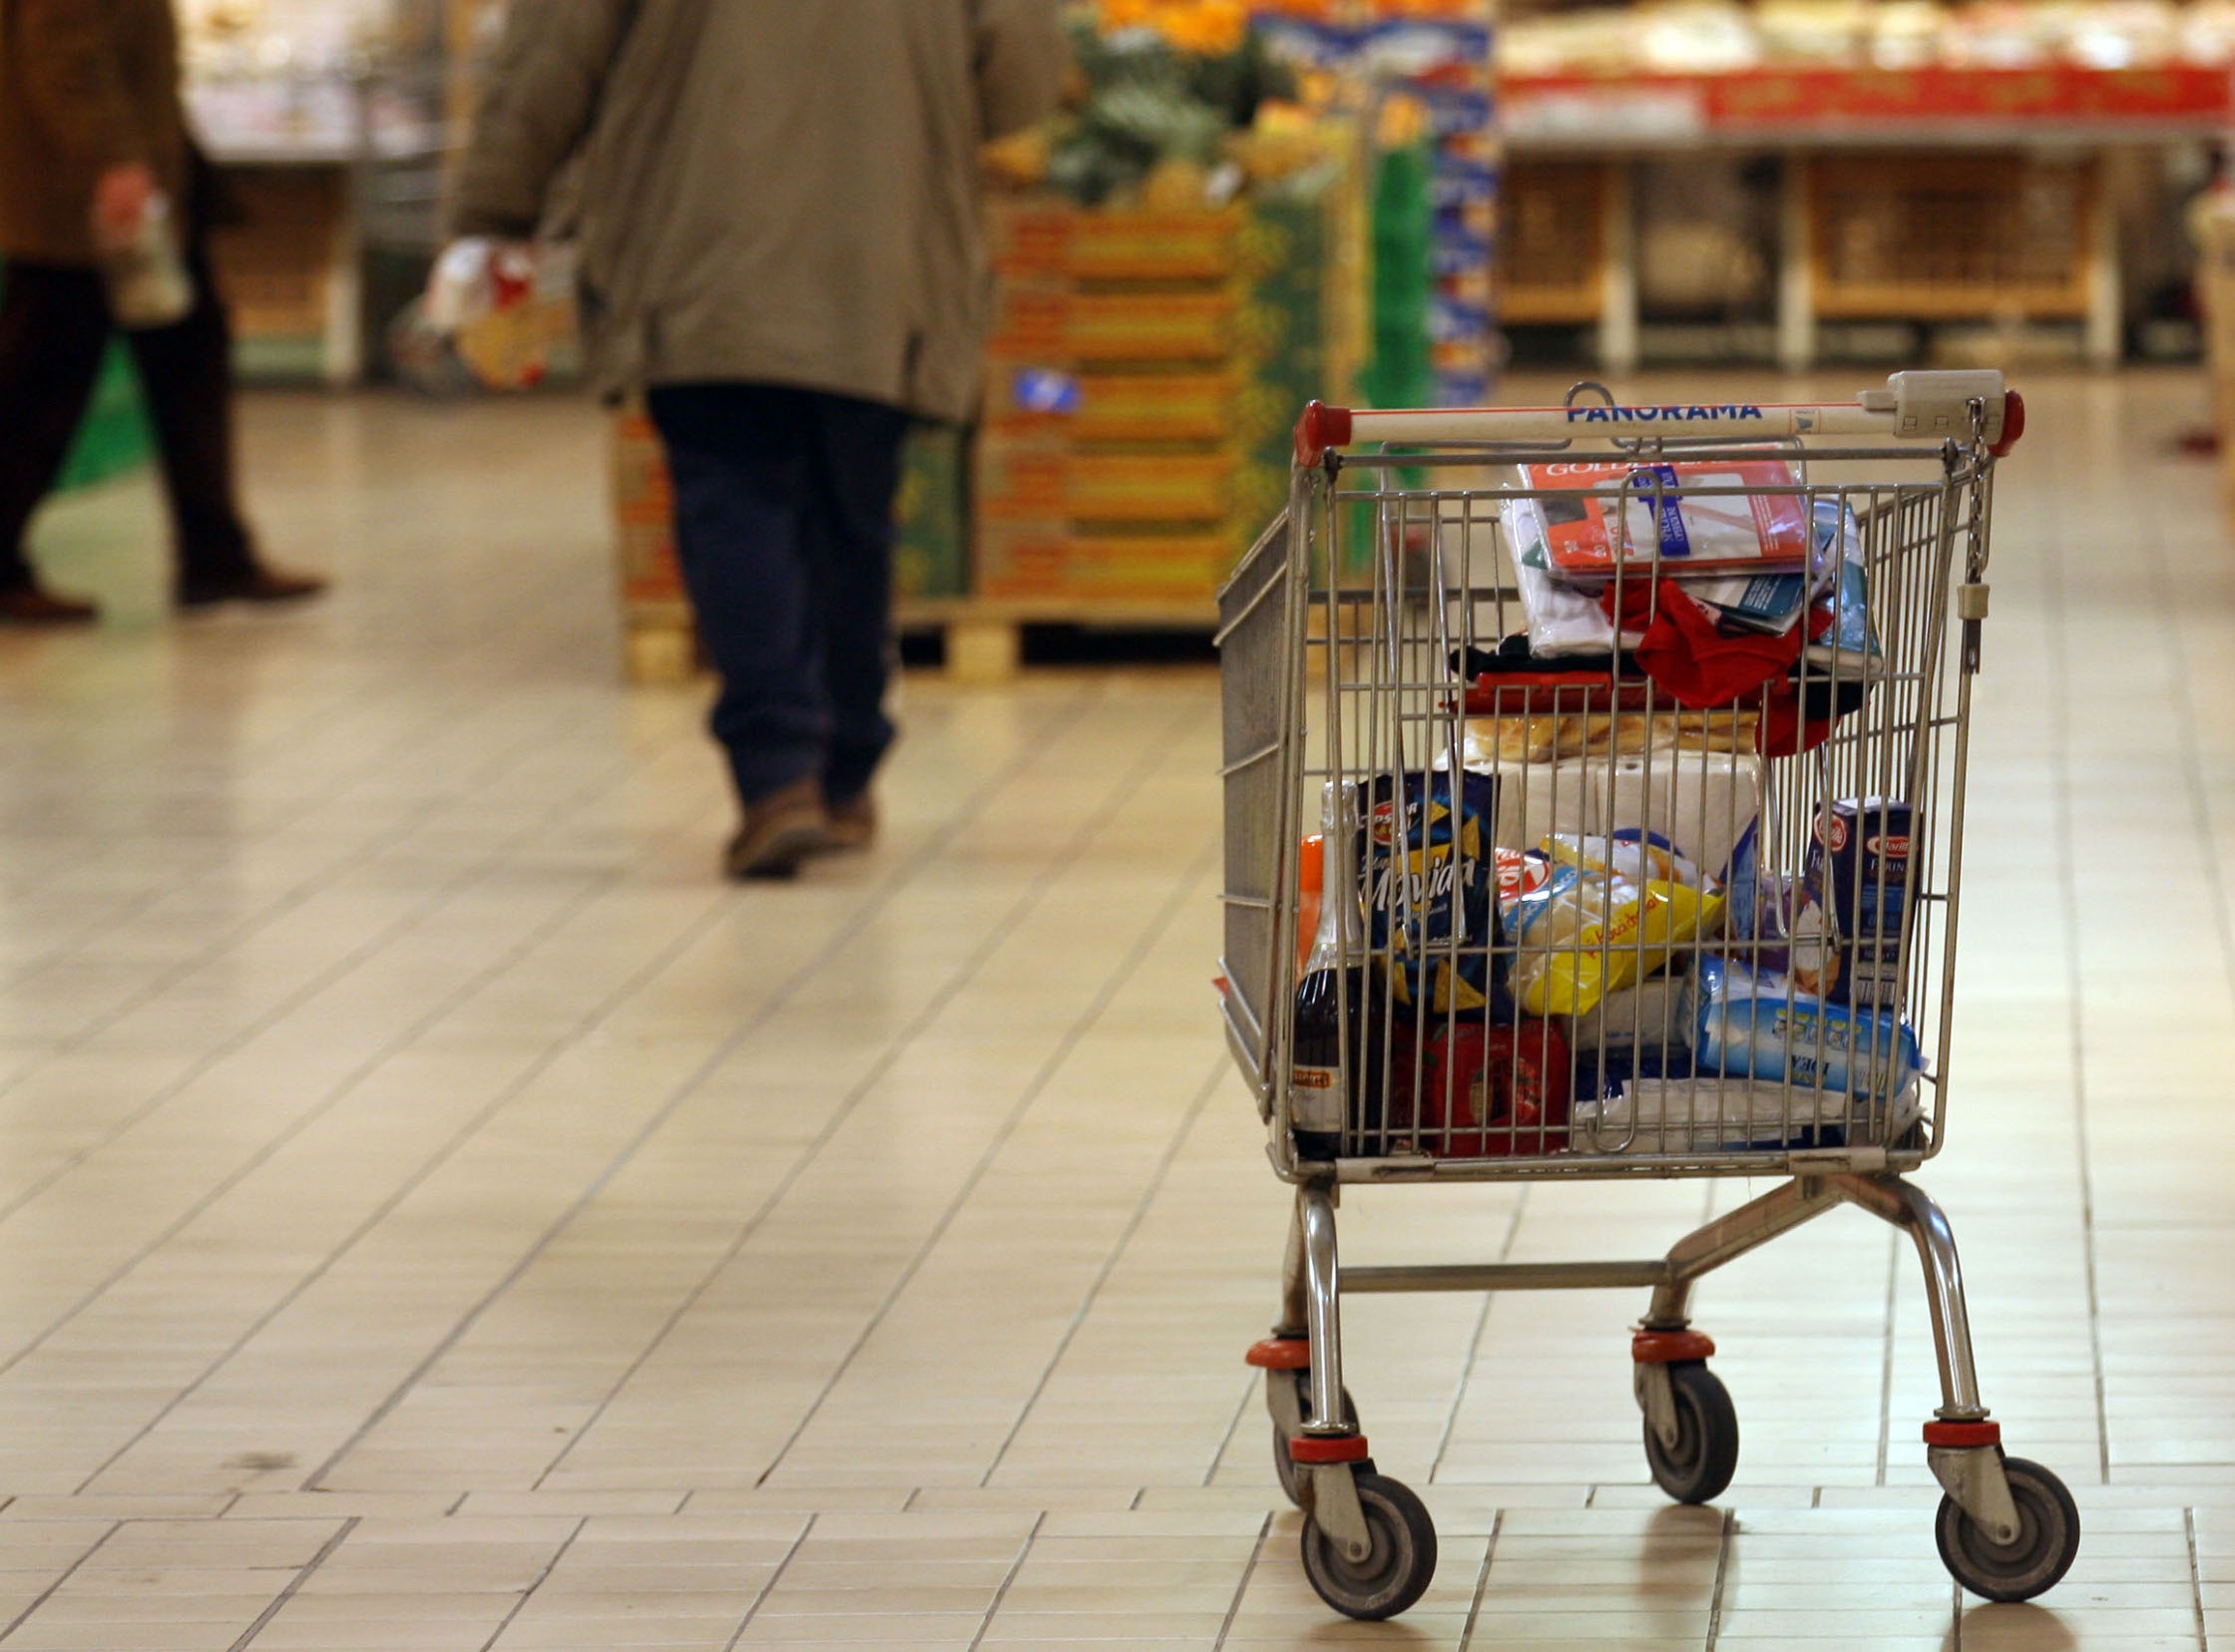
1594, 808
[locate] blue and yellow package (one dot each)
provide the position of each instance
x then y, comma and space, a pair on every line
1428, 872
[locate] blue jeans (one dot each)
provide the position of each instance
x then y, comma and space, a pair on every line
783, 526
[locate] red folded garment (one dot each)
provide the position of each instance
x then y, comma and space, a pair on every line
1702, 667
1688, 655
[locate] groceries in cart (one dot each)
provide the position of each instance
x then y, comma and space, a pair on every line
1848, 932
1428, 872
1329, 1040
1595, 914
1600, 992
1719, 601
1588, 523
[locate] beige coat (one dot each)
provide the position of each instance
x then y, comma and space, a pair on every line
85, 85
773, 191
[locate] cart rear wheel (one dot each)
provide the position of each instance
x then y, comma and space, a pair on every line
1283, 1465
1396, 1570
2033, 1562
1698, 1467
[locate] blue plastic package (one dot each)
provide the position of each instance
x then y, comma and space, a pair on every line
1754, 1024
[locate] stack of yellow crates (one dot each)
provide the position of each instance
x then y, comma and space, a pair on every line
1144, 371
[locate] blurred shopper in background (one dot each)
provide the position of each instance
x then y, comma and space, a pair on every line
780, 245
93, 152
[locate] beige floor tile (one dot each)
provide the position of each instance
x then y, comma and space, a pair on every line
405, 1127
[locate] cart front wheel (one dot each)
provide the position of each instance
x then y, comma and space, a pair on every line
1283, 1465
1698, 1467
2033, 1562
1398, 1567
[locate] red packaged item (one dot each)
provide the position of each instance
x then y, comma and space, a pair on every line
1493, 1090
1593, 521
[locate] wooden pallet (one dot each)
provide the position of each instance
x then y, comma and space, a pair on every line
1952, 239
985, 635
1552, 249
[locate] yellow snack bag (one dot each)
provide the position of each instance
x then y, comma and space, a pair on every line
1597, 915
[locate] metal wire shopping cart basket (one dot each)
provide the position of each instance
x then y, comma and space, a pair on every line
1631, 744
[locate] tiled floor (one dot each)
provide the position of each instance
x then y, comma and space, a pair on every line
435, 1213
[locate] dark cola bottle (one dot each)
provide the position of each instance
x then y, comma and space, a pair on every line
1332, 1030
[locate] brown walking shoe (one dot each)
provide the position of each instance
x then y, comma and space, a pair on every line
264, 584
779, 831
27, 604
853, 823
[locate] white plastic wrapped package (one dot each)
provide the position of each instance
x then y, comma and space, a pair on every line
1710, 1115
1648, 1016
1562, 620
1705, 802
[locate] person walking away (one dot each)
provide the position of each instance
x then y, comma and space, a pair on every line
93, 139
780, 247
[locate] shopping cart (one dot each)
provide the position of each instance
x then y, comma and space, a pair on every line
1620, 870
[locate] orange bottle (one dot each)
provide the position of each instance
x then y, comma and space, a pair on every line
1311, 885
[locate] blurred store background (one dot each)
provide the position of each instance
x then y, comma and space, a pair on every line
1381, 201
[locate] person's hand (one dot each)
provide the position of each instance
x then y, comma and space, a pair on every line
121, 200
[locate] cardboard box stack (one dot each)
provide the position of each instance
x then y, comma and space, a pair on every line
278, 264
1145, 370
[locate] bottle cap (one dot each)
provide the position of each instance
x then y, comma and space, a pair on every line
1311, 864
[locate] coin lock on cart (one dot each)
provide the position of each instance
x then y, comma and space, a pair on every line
1594, 808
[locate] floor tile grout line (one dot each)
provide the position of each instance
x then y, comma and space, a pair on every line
1474, 1342
69, 1572
1481, 1582
2196, 1581
349, 1086
541, 1577
300, 894
1252, 1385
2192, 762
947, 993
1729, 1530
885, 891
326, 978
1889, 1330
768, 1588
1068, 712
294, 1584
2066, 834
1241, 1589
1035, 1088
1116, 1253
1001, 1594
293, 896
489, 976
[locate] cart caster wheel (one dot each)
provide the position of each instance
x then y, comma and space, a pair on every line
2047, 1538
1283, 1465
1705, 1456
1396, 1572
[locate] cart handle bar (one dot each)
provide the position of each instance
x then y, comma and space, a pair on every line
1918, 406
